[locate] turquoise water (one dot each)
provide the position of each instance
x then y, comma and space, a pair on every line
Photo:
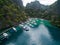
44, 34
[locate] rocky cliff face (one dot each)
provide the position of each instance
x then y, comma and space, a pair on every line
18, 2
36, 5
33, 5
58, 6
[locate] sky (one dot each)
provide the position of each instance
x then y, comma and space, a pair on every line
44, 2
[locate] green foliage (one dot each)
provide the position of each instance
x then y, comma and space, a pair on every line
10, 14
52, 13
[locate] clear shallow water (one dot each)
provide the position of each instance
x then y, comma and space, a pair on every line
42, 35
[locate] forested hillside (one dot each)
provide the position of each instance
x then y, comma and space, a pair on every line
51, 13
11, 13
55, 14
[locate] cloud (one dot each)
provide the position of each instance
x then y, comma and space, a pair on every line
45, 2
27, 1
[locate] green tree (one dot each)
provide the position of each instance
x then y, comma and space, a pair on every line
11, 14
